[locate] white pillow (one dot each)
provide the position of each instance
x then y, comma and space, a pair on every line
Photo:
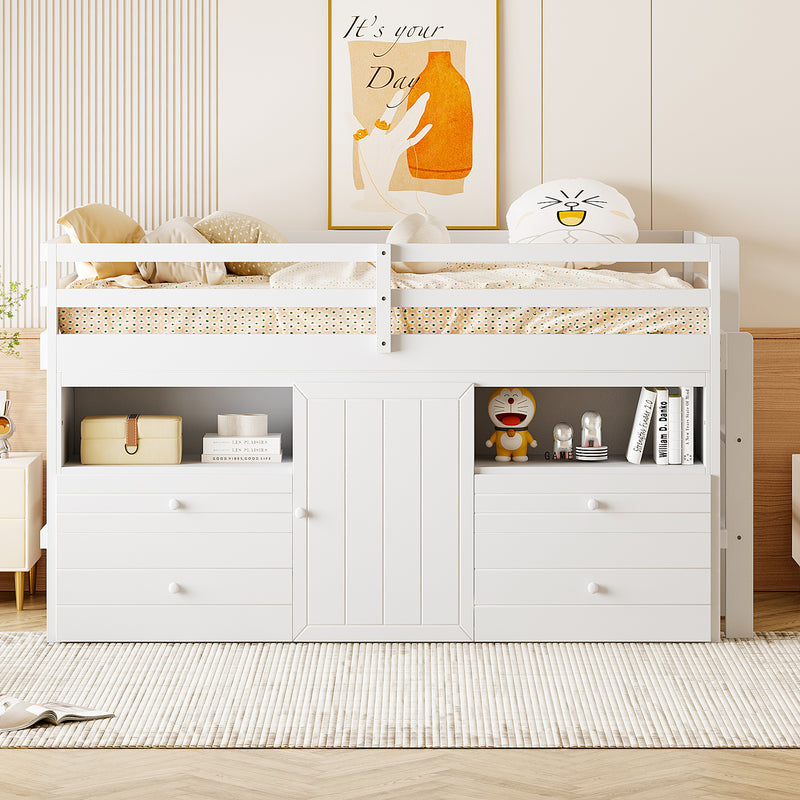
572, 210
182, 230
419, 229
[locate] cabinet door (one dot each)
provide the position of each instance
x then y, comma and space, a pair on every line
383, 505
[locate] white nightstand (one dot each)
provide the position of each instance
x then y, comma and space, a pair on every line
20, 518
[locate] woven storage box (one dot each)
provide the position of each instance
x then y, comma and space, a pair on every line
132, 439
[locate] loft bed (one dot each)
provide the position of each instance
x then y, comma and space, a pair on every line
370, 335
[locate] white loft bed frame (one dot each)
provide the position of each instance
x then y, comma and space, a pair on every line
720, 361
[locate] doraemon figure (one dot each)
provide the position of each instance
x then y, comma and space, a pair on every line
572, 211
511, 411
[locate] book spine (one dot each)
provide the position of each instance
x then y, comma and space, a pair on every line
687, 423
674, 440
660, 428
641, 422
239, 449
213, 458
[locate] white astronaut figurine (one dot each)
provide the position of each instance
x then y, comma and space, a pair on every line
562, 441
6, 429
591, 422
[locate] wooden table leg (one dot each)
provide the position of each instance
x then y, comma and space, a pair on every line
32, 574
19, 588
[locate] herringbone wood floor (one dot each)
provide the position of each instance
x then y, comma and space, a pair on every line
403, 774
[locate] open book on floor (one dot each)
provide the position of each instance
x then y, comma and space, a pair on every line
17, 714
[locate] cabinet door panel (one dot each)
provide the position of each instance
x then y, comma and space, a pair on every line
385, 541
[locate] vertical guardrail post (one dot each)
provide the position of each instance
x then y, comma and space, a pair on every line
383, 297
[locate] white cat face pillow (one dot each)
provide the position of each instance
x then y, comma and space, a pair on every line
572, 210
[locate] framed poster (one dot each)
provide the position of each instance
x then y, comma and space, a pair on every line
412, 112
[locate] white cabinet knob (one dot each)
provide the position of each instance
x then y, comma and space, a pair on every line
592, 504
174, 588
174, 504
300, 513
593, 588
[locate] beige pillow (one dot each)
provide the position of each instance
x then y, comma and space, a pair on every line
98, 223
229, 227
180, 229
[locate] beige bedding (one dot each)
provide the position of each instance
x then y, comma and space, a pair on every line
677, 320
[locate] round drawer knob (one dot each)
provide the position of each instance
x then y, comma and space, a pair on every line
174, 588
174, 504
300, 513
593, 588
592, 504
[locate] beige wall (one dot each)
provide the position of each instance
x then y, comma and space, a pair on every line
690, 110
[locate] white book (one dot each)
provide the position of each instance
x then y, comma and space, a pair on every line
214, 443
674, 440
660, 428
17, 714
641, 422
687, 423
218, 458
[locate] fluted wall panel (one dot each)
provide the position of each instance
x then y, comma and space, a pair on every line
110, 101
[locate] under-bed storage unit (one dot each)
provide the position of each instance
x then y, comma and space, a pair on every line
385, 522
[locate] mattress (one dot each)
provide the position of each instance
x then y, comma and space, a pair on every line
504, 320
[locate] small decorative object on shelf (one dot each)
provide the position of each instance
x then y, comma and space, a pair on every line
6, 425
562, 442
591, 447
511, 410
131, 439
241, 438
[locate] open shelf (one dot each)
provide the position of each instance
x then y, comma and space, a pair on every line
538, 464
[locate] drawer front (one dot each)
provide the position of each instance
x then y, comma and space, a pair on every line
593, 623
593, 586
592, 550
12, 493
196, 479
217, 587
173, 522
12, 545
171, 623
607, 522
647, 478
191, 551
596, 504
175, 503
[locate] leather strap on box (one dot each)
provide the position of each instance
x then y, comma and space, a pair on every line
131, 434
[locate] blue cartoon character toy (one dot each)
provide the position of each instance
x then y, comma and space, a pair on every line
511, 411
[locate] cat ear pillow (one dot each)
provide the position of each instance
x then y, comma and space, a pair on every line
572, 210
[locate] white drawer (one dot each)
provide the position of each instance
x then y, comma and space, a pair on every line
593, 550
194, 478
593, 586
601, 523
172, 522
195, 550
595, 503
175, 503
12, 544
647, 478
12, 493
593, 623
194, 587
171, 623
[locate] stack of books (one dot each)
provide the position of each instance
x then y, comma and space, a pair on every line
242, 438
672, 415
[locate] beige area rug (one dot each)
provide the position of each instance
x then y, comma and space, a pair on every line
739, 693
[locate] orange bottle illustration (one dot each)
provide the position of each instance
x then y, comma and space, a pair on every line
446, 151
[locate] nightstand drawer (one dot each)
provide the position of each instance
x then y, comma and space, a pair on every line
592, 550
189, 551
609, 479
173, 522
12, 493
595, 503
12, 544
593, 587
175, 587
593, 522
175, 503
